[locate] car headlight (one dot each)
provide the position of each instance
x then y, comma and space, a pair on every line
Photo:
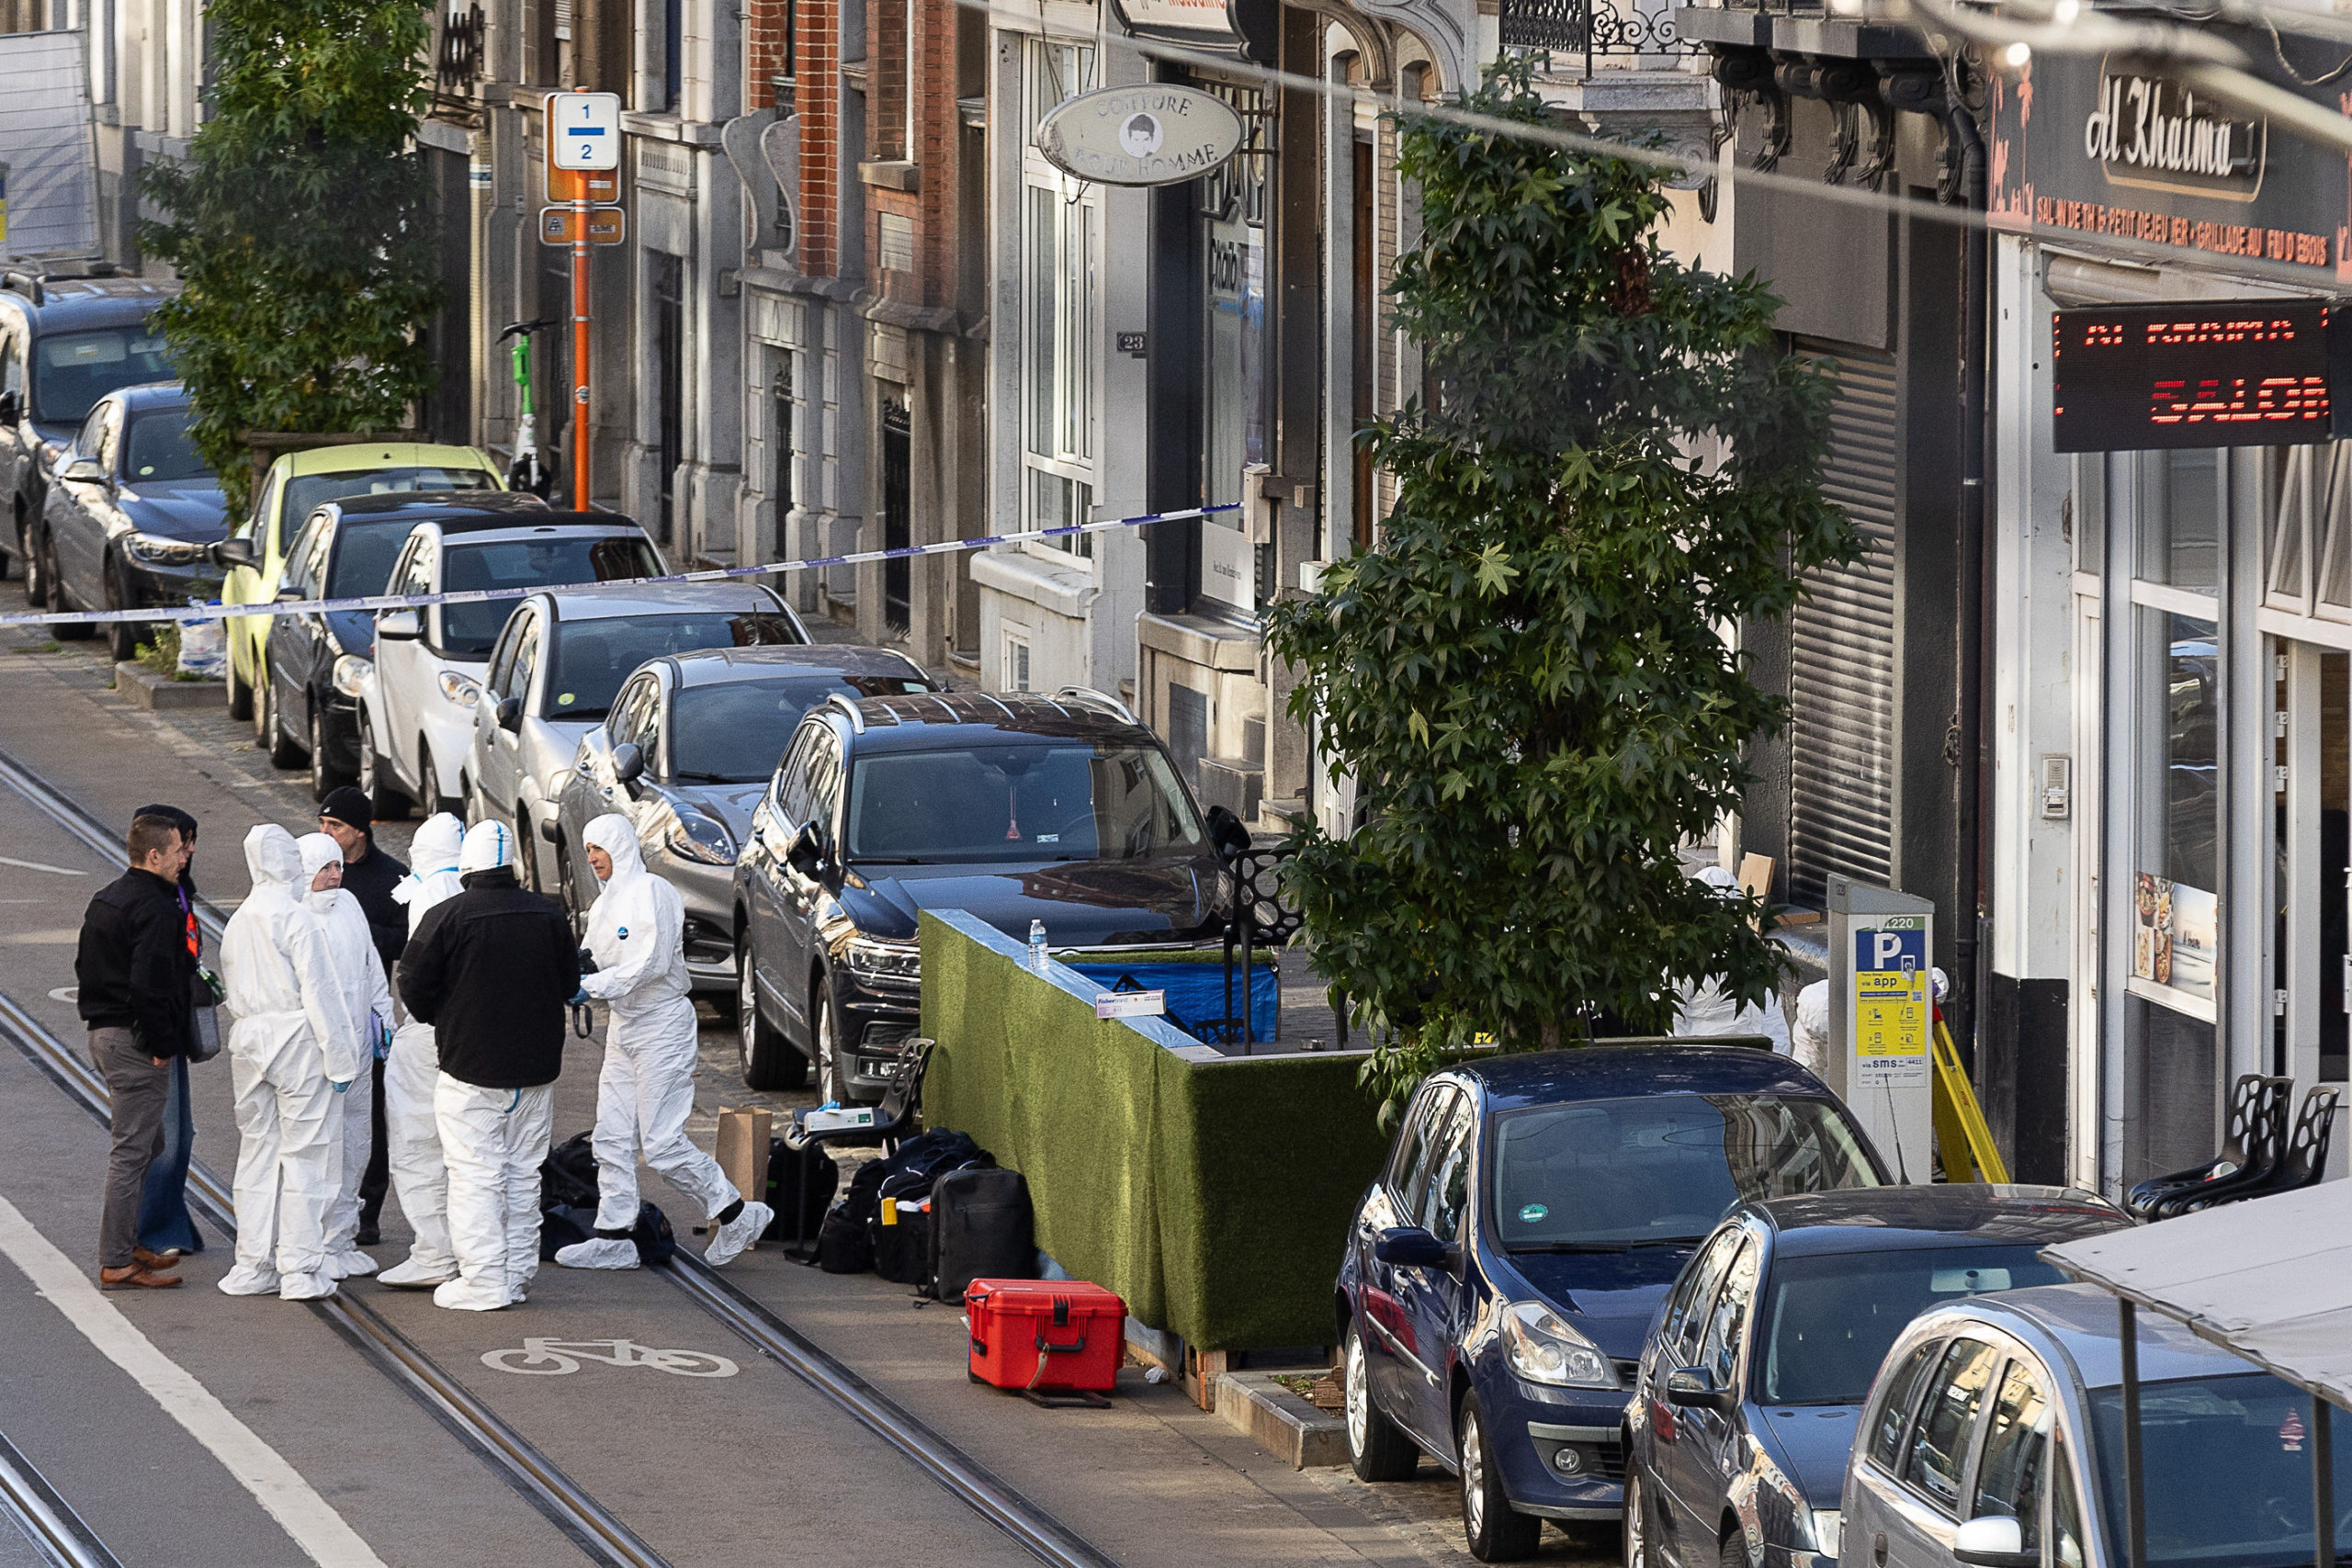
157, 550
1828, 1528
461, 690
873, 960
352, 674
1543, 1349
698, 838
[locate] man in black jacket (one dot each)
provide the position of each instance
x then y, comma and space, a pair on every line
371, 872
135, 966
492, 970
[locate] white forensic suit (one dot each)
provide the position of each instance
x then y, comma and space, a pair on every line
284, 1054
411, 1072
359, 1012
636, 937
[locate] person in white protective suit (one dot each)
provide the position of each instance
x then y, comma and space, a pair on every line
359, 1011
636, 937
411, 1135
489, 970
291, 1066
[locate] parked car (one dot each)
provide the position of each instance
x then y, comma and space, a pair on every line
1013, 807
1499, 1276
64, 343
1753, 1375
686, 752
416, 720
131, 510
1993, 1437
257, 552
555, 671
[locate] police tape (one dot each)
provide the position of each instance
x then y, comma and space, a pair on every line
198, 612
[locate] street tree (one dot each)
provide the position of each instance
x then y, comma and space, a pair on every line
300, 225
1529, 679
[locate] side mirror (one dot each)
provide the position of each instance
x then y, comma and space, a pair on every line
84, 471
806, 853
1693, 1388
1993, 1541
1227, 833
1411, 1247
509, 714
628, 763
229, 554
400, 625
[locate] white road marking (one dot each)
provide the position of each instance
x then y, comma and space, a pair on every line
35, 865
277, 1485
556, 1358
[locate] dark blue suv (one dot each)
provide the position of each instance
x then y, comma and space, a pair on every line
1502, 1270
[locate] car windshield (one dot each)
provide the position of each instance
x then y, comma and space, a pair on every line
469, 630
73, 370
593, 658
308, 493
2227, 1463
1829, 1319
157, 450
736, 732
1043, 800
1599, 1175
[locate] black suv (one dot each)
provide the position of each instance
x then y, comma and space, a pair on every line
1013, 807
64, 343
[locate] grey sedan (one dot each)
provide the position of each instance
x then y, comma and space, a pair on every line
685, 752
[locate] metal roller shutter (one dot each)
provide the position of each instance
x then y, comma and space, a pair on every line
1841, 649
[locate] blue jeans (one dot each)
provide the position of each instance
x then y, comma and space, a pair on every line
164, 1220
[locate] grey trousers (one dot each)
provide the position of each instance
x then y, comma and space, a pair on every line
140, 1090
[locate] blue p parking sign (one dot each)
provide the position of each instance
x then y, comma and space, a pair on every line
1890, 1000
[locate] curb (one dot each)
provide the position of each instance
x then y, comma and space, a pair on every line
1282, 1424
158, 694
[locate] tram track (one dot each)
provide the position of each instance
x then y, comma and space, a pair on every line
603, 1537
44, 1517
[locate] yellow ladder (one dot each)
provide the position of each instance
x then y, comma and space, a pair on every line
1962, 1137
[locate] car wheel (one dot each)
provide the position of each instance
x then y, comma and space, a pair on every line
471, 803
1496, 1532
1378, 1449
326, 775
429, 798
526, 849
261, 695
284, 750
36, 572
769, 1060
1733, 1553
829, 1049
57, 599
1633, 1534
240, 691
391, 802
122, 637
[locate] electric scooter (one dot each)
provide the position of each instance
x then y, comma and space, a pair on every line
526, 472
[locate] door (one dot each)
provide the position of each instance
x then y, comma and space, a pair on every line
2012, 1473
897, 529
1885, 1430
670, 366
1703, 1456
2311, 740
294, 640
75, 529
773, 824
1394, 1352
1432, 1296
801, 949
1921, 1509
402, 670
12, 387
1687, 1312
498, 752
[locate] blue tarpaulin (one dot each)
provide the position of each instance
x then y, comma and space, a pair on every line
1196, 994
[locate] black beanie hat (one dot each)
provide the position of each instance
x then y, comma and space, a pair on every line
350, 806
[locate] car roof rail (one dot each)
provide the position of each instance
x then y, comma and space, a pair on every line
25, 283
1088, 694
856, 719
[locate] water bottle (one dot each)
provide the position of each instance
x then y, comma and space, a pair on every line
1038, 946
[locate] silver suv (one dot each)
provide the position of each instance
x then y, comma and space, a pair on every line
553, 674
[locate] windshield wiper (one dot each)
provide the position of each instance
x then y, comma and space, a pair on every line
710, 778
1609, 1246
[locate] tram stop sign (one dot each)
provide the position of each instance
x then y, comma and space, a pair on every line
585, 130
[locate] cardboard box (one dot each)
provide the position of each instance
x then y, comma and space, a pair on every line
744, 1148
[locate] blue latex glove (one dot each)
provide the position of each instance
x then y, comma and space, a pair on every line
580, 998
339, 1087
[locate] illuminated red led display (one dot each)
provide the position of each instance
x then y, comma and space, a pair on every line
2203, 373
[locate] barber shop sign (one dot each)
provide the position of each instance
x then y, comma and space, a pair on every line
1148, 134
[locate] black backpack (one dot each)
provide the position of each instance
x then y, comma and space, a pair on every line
560, 1224
845, 1242
568, 1176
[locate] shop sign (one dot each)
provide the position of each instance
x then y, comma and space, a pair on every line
2200, 373
2088, 144
1148, 134
1181, 18
2175, 944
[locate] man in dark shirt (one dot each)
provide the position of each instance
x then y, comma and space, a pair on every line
492, 970
369, 874
135, 966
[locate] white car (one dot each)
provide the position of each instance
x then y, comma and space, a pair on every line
554, 673
416, 719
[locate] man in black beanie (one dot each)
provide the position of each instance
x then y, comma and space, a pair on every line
369, 874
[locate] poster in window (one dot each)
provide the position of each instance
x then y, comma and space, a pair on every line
2174, 936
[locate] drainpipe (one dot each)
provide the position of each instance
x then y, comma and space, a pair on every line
1971, 783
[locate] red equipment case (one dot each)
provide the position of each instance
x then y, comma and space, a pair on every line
1045, 1334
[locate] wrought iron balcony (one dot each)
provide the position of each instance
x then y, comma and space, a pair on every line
1598, 31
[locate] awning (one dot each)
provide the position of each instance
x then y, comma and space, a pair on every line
2270, 1279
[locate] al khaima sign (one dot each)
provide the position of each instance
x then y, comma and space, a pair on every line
2114, 150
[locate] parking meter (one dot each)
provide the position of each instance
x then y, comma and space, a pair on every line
1882, 1018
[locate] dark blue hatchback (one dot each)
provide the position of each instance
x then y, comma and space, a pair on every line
1494, 1289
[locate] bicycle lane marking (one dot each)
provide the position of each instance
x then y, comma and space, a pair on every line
543, 1357
308, 1518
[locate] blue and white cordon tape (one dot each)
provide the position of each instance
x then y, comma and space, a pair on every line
487, 595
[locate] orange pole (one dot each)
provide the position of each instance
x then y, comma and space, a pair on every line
579, 467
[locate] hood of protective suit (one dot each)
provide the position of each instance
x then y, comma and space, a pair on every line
613, 834
432, 853
272, 859
487, 846
318, 853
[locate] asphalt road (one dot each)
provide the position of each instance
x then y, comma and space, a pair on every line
129, 1403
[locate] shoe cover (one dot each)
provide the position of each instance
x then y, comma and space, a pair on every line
247, 1280
458, 1296
736, 1236
306, 1288
410, 1275
602, 1252
351, 1264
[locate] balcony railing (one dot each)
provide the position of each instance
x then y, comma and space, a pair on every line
1641, 32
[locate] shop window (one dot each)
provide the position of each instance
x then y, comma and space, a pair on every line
1061, 262
1233, 202
2180, 527
2175, 914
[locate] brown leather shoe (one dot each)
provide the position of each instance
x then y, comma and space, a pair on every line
155, 1262
135, 1276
